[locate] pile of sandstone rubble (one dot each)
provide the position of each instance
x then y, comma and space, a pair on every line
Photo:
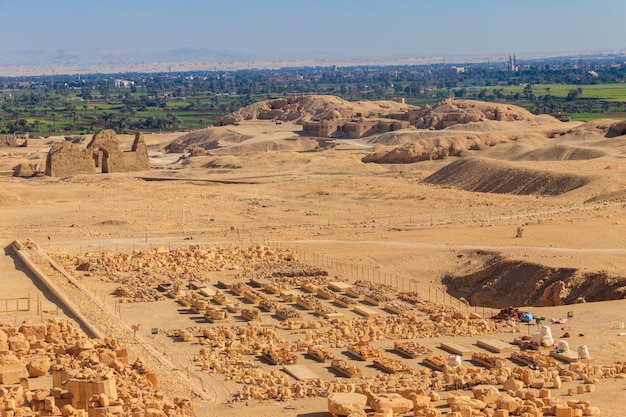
514, 398
87, 377
140, 272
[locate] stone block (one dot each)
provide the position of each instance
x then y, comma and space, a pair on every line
513, 385
486, 393
41, 395
152, 378
82, 390
34, 331
427, 412
107, 357
506, 402
10, 404
463, 410
12, 373
386, 412
18, 343
343, 403
154, 412
49, 403
563, 412
56, 392
59, 377
393, 401
67, 410
591, 411
38, 367
538, 383
419, 401
434, 396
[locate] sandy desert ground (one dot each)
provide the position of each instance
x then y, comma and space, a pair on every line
414, 225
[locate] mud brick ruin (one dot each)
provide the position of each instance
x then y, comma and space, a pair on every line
102, 154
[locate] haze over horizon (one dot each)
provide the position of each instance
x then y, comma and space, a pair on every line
277, 29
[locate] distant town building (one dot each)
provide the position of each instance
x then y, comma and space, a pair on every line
512, 64
123, 83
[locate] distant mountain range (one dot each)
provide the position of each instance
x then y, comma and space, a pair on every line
94, 60
72, 61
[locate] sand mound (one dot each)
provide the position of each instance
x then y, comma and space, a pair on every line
613, 196
560, 153
453, 112
228, 162
426, 148
207, 139
277, 145
493, 177
302, 108
405, 147
26, 170
608, 128
505, 282
457, 126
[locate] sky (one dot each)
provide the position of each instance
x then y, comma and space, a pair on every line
338, 28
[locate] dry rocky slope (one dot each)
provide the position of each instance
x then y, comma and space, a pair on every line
504, 282
488, 176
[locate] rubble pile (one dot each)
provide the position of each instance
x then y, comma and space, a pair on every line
345, 332
235, 352
148, 269
373, 286
508, 313
137, 294
89, 377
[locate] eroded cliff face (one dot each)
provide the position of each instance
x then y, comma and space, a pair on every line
505, 282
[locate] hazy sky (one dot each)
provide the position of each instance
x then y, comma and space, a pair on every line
365, 28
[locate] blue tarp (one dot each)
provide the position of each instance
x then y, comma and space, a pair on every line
526, 318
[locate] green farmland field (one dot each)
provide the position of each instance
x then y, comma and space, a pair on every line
611, 92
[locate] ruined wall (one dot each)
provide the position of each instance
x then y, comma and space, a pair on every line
66, 158
137, 159
353, 129
102, 154
8, 141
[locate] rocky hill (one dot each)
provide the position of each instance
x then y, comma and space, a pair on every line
300, 108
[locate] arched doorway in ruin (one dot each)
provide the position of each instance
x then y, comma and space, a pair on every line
101, 160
